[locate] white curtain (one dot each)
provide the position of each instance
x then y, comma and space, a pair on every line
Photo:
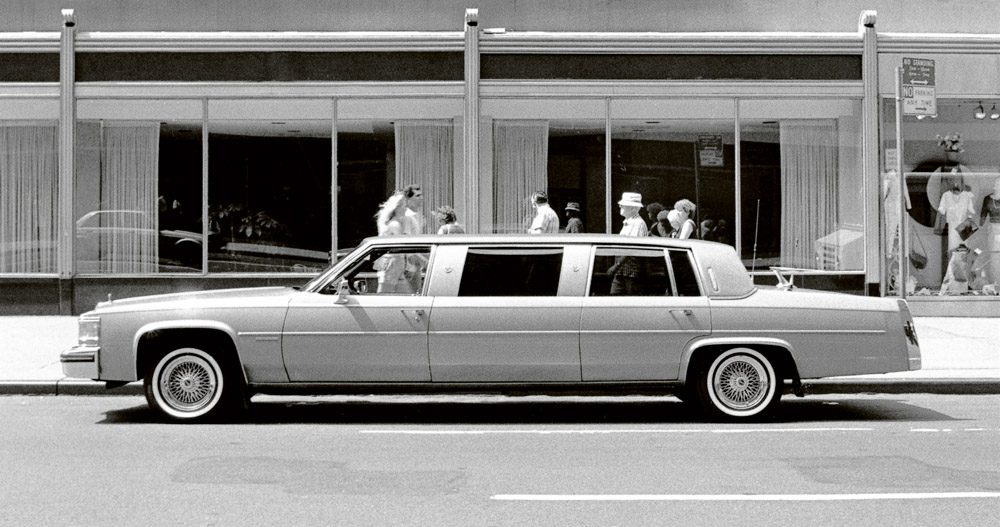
808, 188
28, 198
424, 156
129, 230
520, 167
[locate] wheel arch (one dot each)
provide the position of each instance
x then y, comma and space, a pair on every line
155, 340
778, 351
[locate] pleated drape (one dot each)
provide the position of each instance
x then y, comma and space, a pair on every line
424, 156
130, 155
808, 188
29, 187
520, 167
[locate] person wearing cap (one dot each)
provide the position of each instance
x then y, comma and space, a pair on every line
573, 222
546, 220
626, 273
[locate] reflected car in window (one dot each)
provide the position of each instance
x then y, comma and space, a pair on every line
499, 314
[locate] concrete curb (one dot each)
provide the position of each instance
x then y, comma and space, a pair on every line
984, 386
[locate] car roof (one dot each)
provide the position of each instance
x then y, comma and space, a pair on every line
536, 239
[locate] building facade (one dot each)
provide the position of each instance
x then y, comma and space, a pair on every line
140, 157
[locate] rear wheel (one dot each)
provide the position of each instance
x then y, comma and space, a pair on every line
189, 384
739, 384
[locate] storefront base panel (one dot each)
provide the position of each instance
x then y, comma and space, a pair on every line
986, 306
30, 296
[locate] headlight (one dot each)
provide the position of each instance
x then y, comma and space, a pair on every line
90, 331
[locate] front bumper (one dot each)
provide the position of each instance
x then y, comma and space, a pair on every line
81, 362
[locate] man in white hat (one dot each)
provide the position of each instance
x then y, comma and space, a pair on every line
629, 207
626, 271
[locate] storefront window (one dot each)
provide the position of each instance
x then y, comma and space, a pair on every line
386, 145
555, 146
952, 201
678, 154
801, 185
138, 187
29, 178
269, 176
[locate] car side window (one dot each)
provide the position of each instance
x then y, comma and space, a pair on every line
623, 271
684, 273
386, 271
511, 272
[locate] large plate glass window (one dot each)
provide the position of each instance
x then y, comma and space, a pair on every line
802, 186
386, 145
677, 154
555, 146
269, 178
29, 186
138, 192
951, 164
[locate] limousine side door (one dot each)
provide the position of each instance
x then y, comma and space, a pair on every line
641, 310
505, 320
375, 332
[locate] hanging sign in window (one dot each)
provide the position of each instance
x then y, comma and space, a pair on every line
710, 150
918, 87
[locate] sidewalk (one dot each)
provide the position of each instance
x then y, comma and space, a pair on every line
960, 355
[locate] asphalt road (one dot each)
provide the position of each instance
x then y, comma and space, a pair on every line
827, 460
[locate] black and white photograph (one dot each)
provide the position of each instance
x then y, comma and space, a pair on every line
452, 263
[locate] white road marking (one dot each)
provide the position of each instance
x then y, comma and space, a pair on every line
610, 431
748, 497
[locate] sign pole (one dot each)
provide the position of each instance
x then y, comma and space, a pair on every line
904, 255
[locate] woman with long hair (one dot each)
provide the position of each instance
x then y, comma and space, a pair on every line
391, 215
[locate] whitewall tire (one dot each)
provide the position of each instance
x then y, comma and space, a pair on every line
188, 384
740, 383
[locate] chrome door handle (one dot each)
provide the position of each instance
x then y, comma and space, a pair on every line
417, 314
685, 312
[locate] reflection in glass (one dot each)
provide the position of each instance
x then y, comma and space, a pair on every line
667, 160
801, 185
269, 195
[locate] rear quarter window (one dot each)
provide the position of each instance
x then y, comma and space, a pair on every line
511, 272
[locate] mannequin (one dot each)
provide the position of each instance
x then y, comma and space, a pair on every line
956, 206
990, 213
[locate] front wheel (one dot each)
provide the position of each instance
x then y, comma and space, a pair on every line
740, 384
188, 384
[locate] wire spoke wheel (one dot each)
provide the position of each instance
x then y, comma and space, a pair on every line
188, 383
740, 383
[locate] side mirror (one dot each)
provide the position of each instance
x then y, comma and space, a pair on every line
343, 289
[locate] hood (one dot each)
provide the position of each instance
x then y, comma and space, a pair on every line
251, 296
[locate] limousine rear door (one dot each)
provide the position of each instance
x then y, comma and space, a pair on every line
642, 308
504, 319
374, 332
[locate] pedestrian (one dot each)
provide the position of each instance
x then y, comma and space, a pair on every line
391, 268
627, 273
448, 220
652, 211
687, 208
573, 222
414, 210
546, 220
662, 225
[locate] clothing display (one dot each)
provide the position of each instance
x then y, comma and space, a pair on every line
956, 206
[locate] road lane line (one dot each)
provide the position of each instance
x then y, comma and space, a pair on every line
611, 431
748, 497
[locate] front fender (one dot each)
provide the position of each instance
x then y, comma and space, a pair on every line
728, 342
166, 325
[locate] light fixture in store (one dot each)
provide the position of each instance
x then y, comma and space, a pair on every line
980, 112
994, 113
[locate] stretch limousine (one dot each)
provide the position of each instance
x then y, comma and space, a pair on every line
500, 314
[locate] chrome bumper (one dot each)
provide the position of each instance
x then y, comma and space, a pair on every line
81, 362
